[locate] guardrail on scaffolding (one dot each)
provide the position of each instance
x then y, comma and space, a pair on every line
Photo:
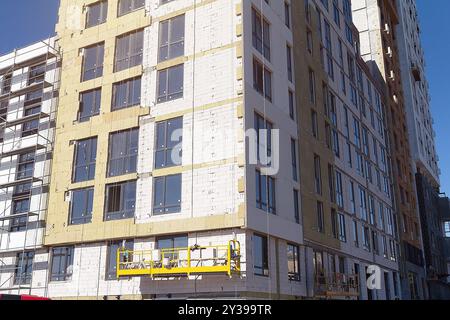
172, 262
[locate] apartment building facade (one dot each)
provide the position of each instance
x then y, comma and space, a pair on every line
376, 22
422, 142
29, 81
143, 81
348, 212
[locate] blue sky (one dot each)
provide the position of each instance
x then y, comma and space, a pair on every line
26, 21
23, 22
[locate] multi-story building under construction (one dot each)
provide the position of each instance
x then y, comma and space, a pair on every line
152, 157
29, 82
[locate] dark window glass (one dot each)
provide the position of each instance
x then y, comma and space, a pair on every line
123, 151
176, 242
120, 201
96, 13
169, 139
111, 270
171, 38
170, 83
293, 256
36, 74
126, 94
89, 104
127, 6
62, 264
30, 128
24, 268
167, 195
260, 255
93, 62
129, 50
81, 206
85, 160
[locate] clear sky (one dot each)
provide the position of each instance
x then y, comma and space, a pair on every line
25, 21
435, 23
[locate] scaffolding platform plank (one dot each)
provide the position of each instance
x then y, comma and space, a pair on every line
21, 151
29, 62
23, 120
25, 90
19, 182
17, 216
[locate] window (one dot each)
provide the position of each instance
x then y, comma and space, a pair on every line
33, 97
447, 229
366, 238
355, 233
85, 160
90, 102
262, 79
81, 206
260, 255
171, 38
171, 243
123, 151
126, 94
296, 207
169, 143
312, 87
294, 159
96, 13
339, 190
127, 6
385, 246
25, 166
24, 268
342, 232
120, 200
320, 218
260, 34
264, 142
6, 84
19, 206
363, 203
293, 257
36, 74
93, 62
375, 242
113, 247
129, 50
287, 14
289, 62
314, 124
62, 264
170, 83
309, 41
291, 105
31, 127
317, 175
167, 194
265, 193
3, 117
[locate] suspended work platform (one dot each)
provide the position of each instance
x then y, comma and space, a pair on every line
195, 260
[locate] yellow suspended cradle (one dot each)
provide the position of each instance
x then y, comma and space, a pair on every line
195, 260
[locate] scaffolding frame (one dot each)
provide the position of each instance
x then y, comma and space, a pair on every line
47, 62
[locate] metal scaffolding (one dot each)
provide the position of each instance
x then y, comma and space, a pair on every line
27, 134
